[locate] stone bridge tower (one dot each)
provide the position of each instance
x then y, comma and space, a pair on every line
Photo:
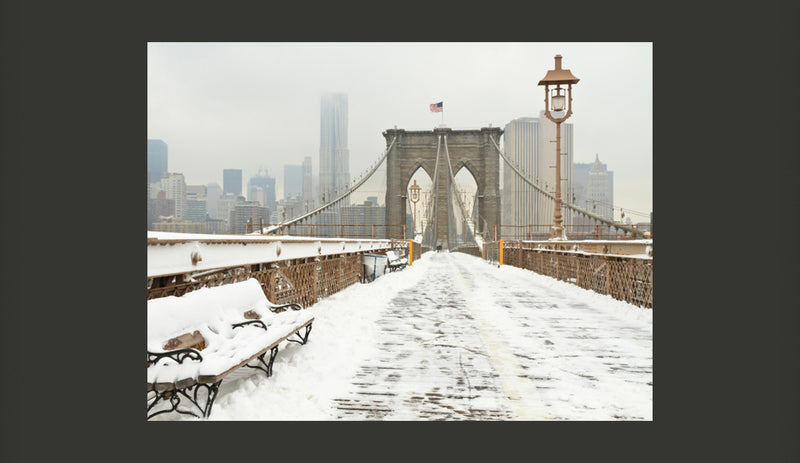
472, 149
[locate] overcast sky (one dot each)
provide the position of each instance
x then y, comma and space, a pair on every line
257, 105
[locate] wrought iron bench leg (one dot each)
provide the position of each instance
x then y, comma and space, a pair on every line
303, 338
213, 390
174, 398
265, 366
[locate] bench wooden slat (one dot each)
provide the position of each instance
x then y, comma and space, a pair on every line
210, 379
186, 341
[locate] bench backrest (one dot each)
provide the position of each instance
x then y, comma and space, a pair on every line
392, 255
205, 309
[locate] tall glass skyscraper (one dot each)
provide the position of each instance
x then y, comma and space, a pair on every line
334, 156
156, 159
232, 181
530, 143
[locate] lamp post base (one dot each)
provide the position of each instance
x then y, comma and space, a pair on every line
558, 234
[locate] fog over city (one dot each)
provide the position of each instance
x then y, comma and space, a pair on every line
254, 106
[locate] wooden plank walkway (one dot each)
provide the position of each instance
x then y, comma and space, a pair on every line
469, 346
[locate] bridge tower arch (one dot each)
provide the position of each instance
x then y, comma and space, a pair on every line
473, 149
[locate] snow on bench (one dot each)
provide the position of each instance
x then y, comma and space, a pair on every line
395, 261
194, 341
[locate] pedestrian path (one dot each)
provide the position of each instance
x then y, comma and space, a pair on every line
480, 343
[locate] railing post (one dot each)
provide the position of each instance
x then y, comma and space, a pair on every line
500, 258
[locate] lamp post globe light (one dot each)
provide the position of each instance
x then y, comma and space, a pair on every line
557, 99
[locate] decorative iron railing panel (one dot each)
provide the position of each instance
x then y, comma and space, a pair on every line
625, 278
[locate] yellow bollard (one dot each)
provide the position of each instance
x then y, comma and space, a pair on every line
410, 252
501, 252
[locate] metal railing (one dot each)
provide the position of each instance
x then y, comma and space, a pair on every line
303, 280
573, 232
334, 230
624, 278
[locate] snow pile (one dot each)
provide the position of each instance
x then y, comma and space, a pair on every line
568, 353
307, 377
212, 312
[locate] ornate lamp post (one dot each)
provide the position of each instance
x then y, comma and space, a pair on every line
554, 99
413, 196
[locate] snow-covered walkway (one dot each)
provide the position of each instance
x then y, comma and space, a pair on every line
455, 338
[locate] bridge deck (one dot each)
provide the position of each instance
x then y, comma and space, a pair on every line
455, 338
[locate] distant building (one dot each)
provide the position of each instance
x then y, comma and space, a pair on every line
600, 190
308, 193
216, 226
289, 209
334, 155
195, 191
373, 200
580, 180
213, 193
174, 185
156, 159
225, 205
196, 210
267, 185
232, 181
159, 207
292, 181
528, 143
179, 226
363, 216
327, 224
247, 211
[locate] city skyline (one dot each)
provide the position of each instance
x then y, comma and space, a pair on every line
256, 105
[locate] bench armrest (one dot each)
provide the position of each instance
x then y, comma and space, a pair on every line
178, 355
283, 307
250, 322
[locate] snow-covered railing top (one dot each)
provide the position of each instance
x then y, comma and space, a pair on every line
177, 253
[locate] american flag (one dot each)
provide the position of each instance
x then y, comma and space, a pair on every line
436, 107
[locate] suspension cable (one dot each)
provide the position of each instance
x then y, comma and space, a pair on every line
566, 204
453, 182
340, 197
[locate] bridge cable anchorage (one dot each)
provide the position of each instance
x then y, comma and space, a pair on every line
564, 203
338, 200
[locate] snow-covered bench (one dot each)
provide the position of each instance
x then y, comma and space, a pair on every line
395, 261
197, 340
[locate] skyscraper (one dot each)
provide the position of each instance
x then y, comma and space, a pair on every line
264, 184
213, 193
600, 190
292, 181
334, 156
174, 185
529, 142
307, 180
156, 159
232, 181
